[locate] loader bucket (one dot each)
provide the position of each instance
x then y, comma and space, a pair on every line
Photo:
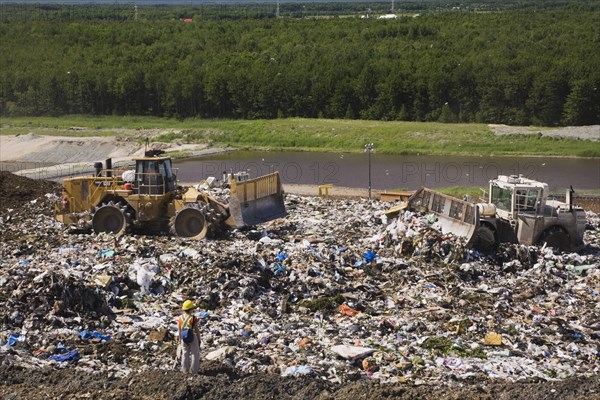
454, 216
257, 200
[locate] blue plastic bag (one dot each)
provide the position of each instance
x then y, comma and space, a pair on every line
279, 269
13, 339
370, 255
73, 355
90, 335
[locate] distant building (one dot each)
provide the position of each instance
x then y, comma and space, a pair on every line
186, 20
388, 16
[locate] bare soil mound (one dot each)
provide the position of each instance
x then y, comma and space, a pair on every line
590, 132
49, 149
16, 190
218, 381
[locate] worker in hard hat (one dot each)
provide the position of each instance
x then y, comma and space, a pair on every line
188, 338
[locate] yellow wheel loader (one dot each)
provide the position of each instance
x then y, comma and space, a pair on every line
149, 199
518, 211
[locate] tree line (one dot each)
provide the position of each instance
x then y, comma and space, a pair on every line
522, 66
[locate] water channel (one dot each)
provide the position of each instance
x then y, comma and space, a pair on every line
389, 172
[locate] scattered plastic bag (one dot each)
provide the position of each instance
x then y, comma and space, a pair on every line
72, 356
91, 335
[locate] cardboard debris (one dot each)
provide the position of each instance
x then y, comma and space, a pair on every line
492, 339
158, 335
104, 280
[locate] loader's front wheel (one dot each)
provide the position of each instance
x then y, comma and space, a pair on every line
110, 218
485, 239
189, 222
556, 238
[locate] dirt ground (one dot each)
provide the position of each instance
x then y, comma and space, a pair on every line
217, 381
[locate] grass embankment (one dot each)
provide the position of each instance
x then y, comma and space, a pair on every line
316, 135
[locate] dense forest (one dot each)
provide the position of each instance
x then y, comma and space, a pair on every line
521, 65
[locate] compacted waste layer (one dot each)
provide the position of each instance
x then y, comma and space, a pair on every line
334, 300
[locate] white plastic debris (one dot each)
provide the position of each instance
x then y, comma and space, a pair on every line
352, 352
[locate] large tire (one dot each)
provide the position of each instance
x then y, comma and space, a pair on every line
189, 222
557, 238
110, 218
215, 215
485, 239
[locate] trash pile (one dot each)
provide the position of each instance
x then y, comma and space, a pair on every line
336, 290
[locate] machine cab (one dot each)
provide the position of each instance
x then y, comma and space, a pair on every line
514, 195
154, 175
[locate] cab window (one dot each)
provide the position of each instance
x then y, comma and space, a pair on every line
526, 200
501, 197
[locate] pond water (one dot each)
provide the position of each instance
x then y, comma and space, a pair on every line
389, 172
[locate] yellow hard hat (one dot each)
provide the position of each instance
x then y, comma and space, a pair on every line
188, 305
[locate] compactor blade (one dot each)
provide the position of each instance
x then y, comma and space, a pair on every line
257, 200
454, 216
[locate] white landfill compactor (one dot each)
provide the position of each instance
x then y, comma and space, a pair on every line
518, 211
